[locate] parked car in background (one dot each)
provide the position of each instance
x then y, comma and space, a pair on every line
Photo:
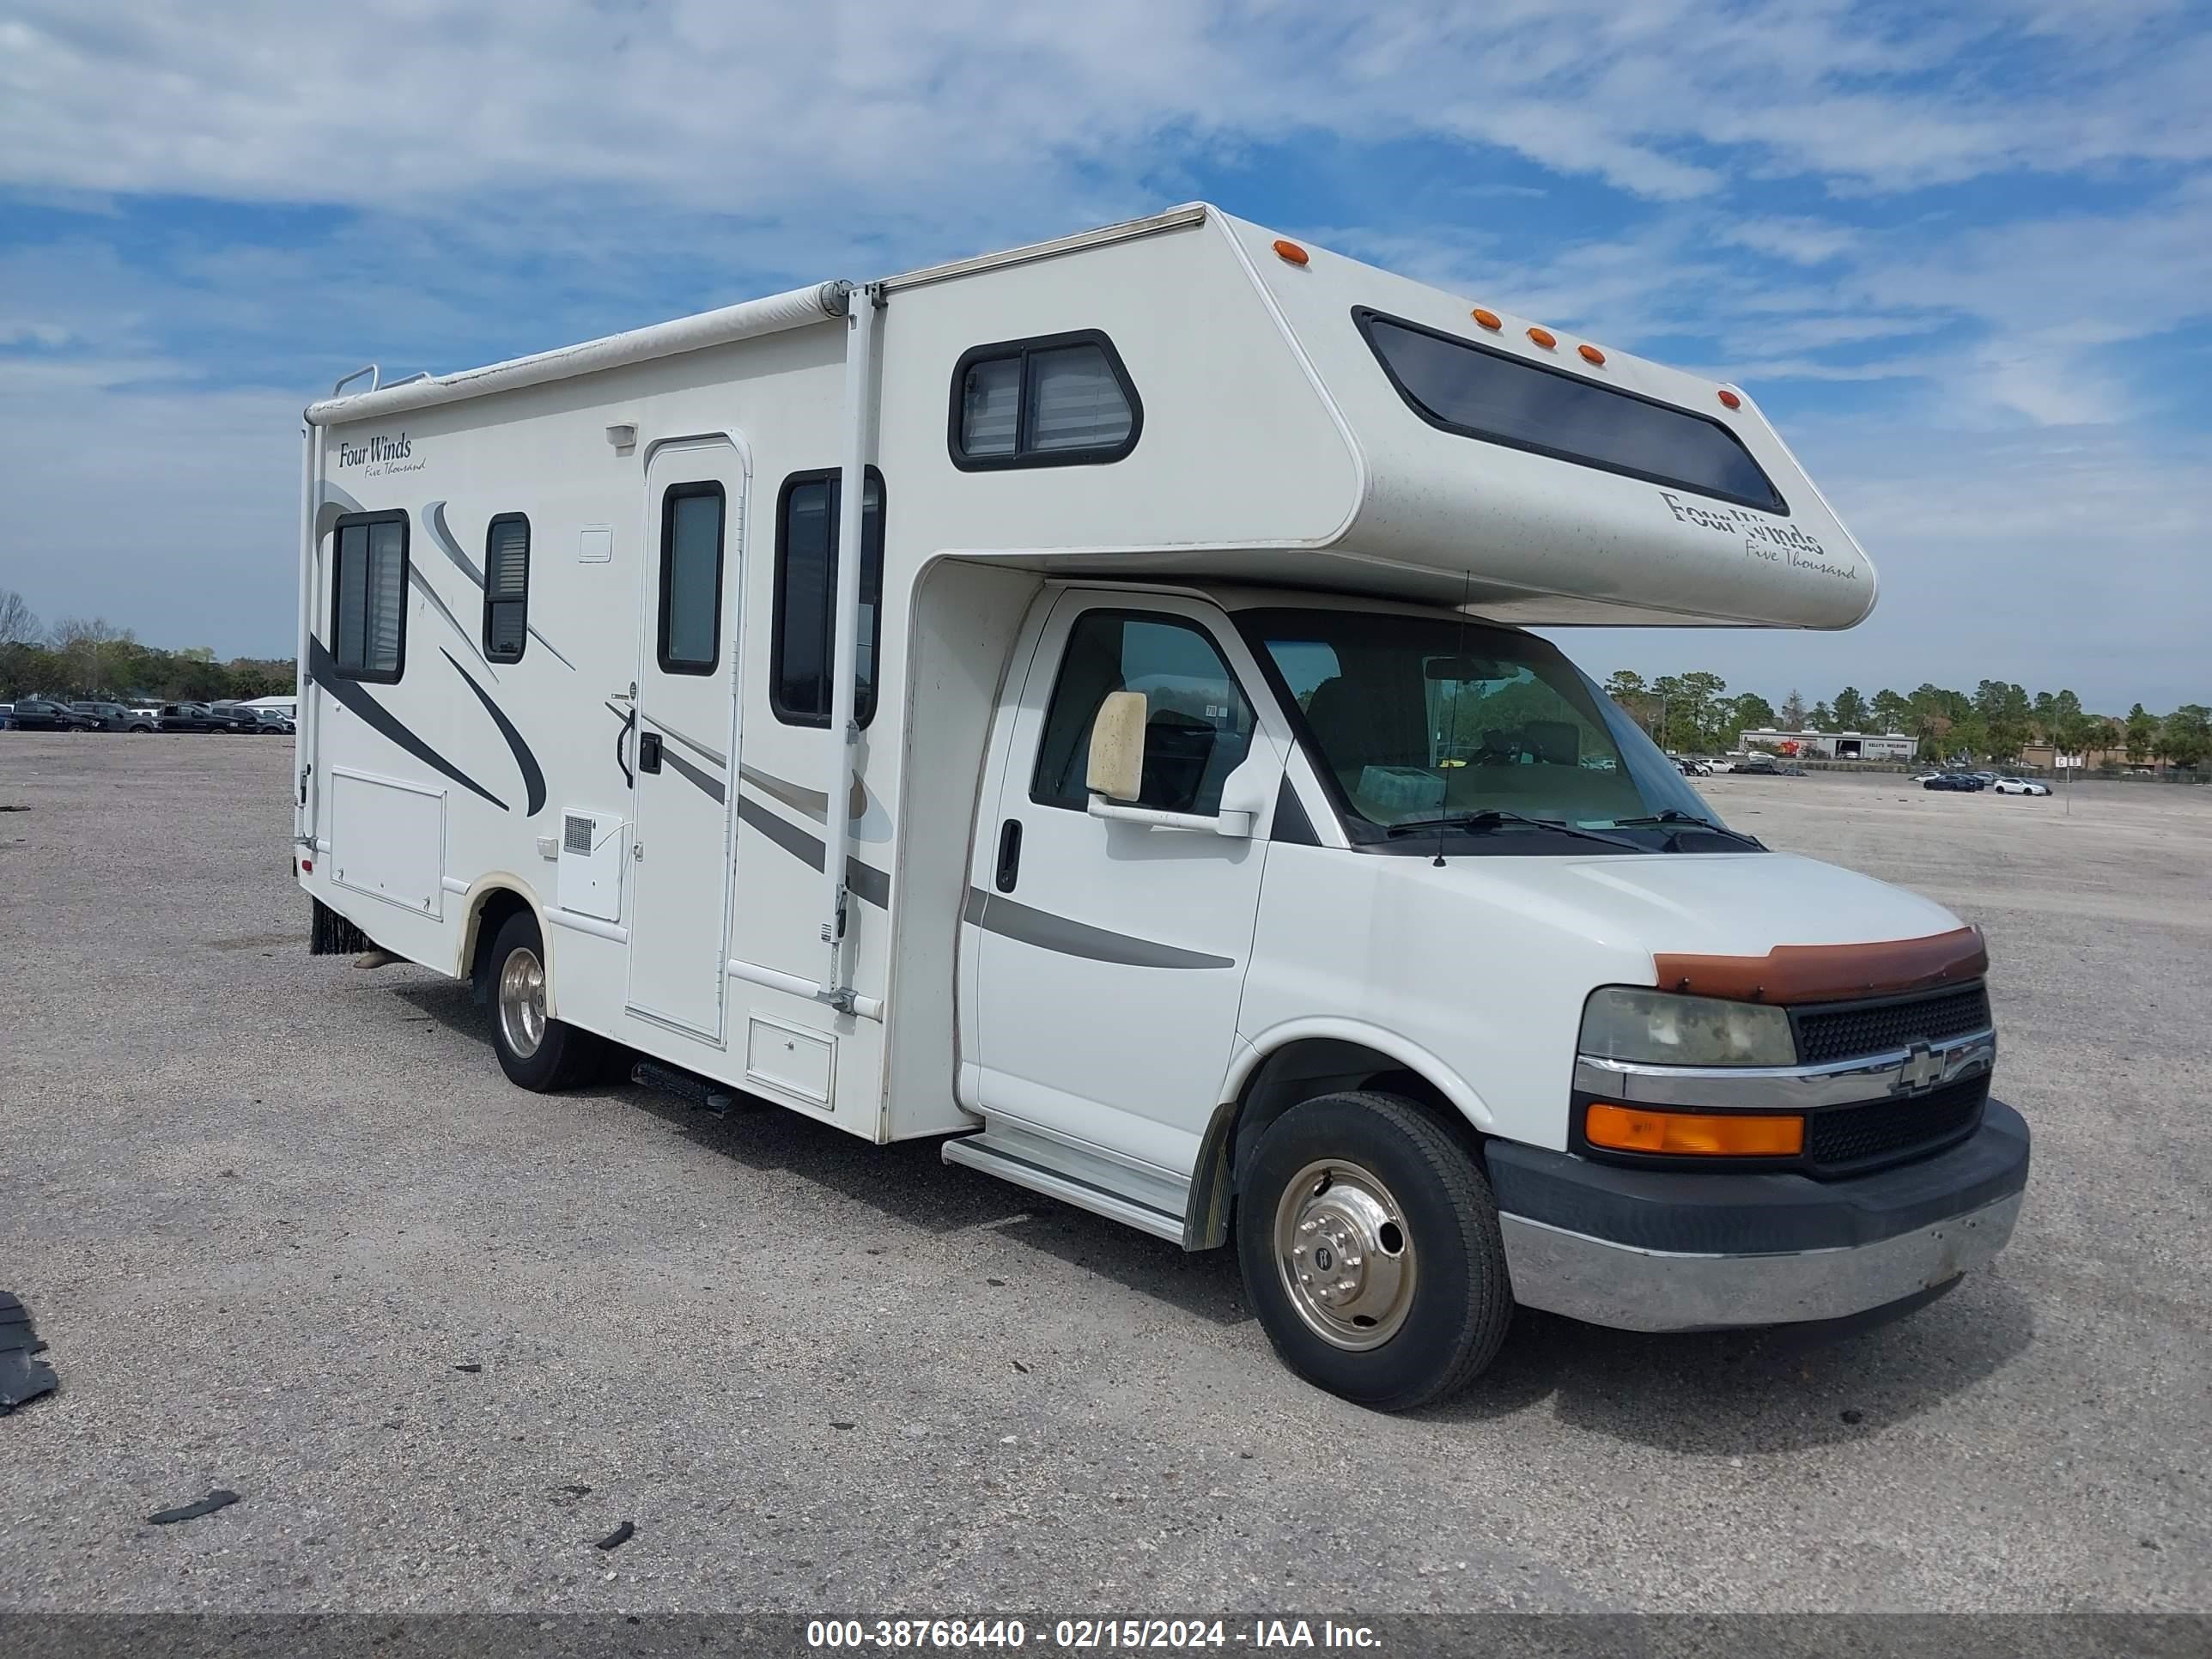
2020, 786
45, 714
4, 708
115, 717
191, 717
1759, 766
1961, 782
272, 719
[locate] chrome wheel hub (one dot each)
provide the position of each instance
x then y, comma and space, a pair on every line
1346, 1257
522, 1003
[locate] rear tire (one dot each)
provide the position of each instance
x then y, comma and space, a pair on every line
1371, 1254
535, 1052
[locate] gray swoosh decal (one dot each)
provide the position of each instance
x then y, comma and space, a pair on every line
711, 785
996, 914
868, 883
814, 803
420, 584
334, 505
324, 671
534, 778
692, 744
434, 524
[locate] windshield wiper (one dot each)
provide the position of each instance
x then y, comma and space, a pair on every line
1491, 819
1671, 819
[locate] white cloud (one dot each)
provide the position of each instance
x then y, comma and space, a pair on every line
758, 108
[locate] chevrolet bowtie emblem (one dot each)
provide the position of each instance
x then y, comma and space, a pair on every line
1920, 1069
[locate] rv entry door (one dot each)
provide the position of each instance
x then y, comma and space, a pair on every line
685, 751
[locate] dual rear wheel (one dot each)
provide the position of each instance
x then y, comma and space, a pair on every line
535, 1051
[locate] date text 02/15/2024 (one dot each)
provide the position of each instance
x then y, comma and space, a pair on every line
1087, 1635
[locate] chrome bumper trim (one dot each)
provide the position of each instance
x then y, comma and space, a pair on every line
1791, 1088
1635, 1290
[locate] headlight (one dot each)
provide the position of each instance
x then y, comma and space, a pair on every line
1657, 1028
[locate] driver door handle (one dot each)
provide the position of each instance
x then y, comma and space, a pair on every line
1010, 854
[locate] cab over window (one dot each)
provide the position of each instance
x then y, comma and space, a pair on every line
1198, 724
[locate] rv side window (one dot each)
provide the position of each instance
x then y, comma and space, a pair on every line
691, 578
506, 588
1464, 387
800, 635
1198, 723
1059, 400
368, 597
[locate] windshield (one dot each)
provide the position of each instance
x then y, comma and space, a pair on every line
1424, 721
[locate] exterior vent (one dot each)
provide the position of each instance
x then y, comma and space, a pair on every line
576, 833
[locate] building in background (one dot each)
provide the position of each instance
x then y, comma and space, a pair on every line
1836, 745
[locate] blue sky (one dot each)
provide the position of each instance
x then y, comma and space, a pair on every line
1963, 255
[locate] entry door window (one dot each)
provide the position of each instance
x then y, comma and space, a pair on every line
691, 578
1198, 722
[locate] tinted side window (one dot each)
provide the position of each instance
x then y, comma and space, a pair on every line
506, 588
1058, 400
368, 602
690, 578
801, 638
1198, 724
1477, 393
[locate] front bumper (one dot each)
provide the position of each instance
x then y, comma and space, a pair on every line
1677, 1250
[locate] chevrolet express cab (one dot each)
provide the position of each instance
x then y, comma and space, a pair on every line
1076, 704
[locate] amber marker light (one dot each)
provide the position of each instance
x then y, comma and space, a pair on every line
1544, 338
1695, 1134
1291, 252
1489, 319
1590, 354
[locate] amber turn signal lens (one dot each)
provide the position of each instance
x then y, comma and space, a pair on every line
1712, 1134
1731, 400
1291, 251
1544, 338
1487, 318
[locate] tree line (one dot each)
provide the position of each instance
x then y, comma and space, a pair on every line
82, 657
1995, 721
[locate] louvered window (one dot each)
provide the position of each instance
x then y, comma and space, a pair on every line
368, 608
1059, 400
506, 588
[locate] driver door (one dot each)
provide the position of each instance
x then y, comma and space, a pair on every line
1110, 955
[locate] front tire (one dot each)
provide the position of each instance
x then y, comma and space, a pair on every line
535, 1052
1371, 1254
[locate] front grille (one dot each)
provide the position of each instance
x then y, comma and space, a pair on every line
1848, 1030
1845, 1139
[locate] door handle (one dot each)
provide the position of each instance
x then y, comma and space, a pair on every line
1010, 854
648, 752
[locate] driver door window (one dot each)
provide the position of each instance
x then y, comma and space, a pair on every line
1198, 725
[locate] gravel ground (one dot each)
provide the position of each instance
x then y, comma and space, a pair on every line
290, 1233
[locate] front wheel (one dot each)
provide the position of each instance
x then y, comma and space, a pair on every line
1371, 1253
534, 1051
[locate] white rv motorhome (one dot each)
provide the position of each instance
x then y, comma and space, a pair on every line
1146, 785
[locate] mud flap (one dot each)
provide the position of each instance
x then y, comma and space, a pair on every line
334, 936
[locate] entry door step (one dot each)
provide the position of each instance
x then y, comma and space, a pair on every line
707, 1097
989, 1153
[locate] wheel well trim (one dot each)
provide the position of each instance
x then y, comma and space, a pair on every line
1205, 1218
478, 899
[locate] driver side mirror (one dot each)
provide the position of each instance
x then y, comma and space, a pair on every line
1117, 747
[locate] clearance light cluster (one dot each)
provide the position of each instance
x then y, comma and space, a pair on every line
1709, 1135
